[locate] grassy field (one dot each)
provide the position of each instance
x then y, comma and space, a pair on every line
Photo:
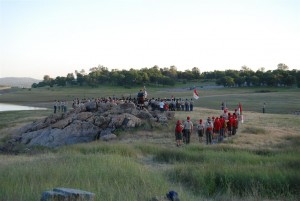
260, 163
278, 100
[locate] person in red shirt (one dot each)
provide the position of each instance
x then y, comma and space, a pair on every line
222, 129
217, 127
166, 107
178, 133
234, 124
231, 122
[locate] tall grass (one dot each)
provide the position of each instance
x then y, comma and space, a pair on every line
244, 173
11, 119
110, 177
148, 165
231, 172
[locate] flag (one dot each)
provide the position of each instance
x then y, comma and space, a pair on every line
195, 95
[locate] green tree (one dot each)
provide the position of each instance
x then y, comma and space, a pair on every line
254, 80
188, 75
298, 78
226, 81
260, 74
60, 81
282, 66
196, 73
240, 81
34, 85
80, 79
219, 74
116, 77
70, 78
232, 73
48, 81
154, 74
270, 79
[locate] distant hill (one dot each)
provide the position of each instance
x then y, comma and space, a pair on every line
25, 82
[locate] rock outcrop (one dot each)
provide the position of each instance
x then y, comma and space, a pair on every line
86, 123
63, 194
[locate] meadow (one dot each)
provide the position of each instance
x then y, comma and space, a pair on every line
260, 163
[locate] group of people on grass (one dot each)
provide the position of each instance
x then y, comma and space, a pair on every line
60, 106
214, 129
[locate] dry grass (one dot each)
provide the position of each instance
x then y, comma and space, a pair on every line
259, 131
146, 149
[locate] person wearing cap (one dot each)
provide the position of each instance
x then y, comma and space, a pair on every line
225, 114
178, 133
230, 124
208, 130
141, 99
223, 127
182, 105
234, 123
187, 105
217, 128
200, 130
188, 129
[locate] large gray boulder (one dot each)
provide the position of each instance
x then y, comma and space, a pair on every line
144, 114
77, 132
85, 123
125, 121
67, 194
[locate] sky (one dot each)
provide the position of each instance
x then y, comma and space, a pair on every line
57, 37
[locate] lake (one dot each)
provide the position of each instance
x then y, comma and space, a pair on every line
11, 107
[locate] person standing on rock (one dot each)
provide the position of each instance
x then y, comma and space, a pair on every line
65, 106
188, 129
187, 105
141, 99
182, 104
55, 106
58, 106
161, 105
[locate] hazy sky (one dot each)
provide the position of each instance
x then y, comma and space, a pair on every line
57, 37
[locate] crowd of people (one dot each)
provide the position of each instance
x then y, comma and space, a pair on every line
162, 104
213, 130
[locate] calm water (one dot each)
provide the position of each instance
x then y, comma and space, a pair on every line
11, 107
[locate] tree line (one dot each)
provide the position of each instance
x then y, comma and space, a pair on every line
169, 76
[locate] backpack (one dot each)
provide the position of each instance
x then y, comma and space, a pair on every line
173, 196
178, 128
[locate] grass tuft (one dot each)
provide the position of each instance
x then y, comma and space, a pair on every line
254, 130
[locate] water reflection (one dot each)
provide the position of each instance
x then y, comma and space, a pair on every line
11, 107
